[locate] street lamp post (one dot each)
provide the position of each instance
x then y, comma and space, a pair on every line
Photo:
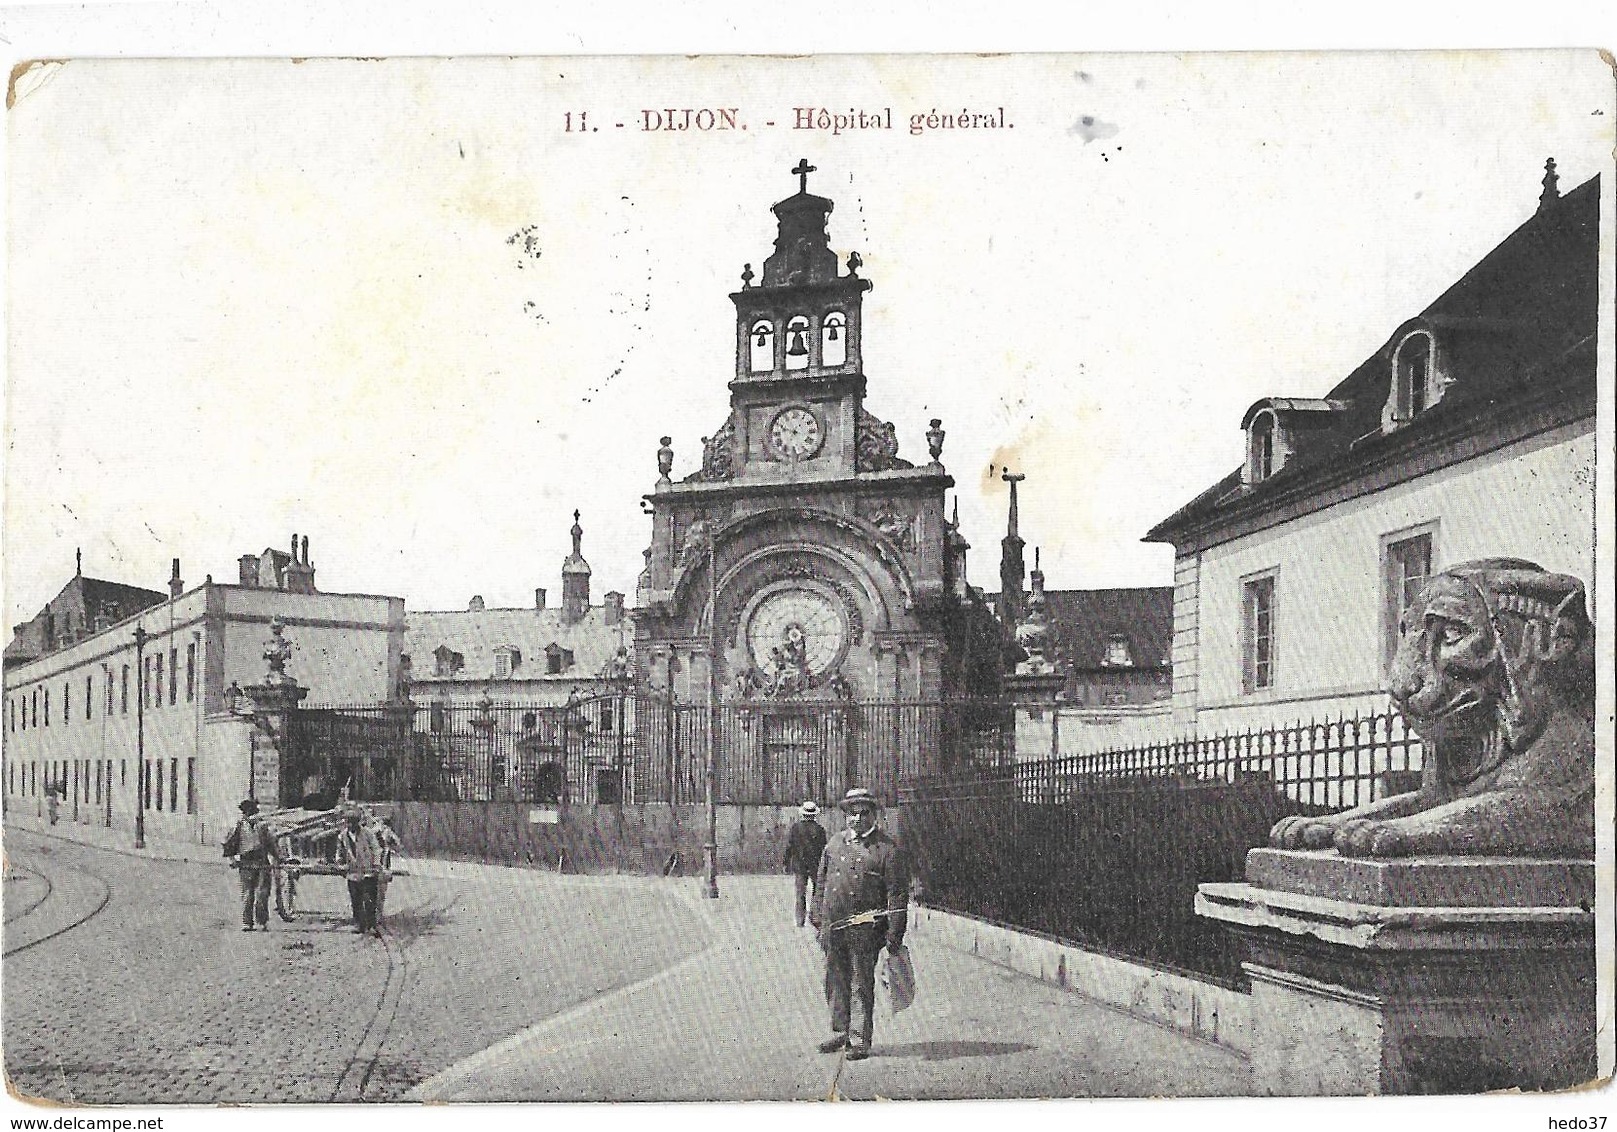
141, 637
711, 848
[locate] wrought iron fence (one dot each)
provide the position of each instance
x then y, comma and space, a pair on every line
1333, 763
620, 748
1106, 850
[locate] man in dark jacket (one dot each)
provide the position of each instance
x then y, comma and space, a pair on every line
252, 843
803, 849
860, 906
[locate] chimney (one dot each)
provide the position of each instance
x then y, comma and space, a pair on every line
299, 575
175, 586
476, 604
249, 570
613, 607
539, 598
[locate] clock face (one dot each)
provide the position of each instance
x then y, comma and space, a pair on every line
797, 631
795, 434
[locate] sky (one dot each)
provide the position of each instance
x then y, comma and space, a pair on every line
398, 307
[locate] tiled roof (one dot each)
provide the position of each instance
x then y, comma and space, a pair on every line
1083, 622
87, 596
1518, 325
476, 634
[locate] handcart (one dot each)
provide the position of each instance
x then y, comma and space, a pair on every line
307, 843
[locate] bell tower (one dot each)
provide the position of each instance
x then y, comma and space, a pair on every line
798, 393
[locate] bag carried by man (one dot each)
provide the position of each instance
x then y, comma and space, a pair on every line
898, 976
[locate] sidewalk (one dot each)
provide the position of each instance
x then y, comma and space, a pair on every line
740, 1021
114, 840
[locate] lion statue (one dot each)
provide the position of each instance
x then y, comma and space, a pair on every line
1495, 672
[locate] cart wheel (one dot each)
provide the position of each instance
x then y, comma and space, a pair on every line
286, 895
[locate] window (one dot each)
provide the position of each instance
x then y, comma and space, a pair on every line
557, 659
506, 661
1415, 386
1406, 562
67, 706
604, 716
797, 354
446, 661
190, 672
173, 785
1258, 633
190, 786
173, 676
124, 695
89, 695
762, 347
108, 672
47, 707
1117, 652
157, 687
834, 339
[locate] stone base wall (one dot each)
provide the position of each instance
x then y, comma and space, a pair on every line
1191, 1006
599, 839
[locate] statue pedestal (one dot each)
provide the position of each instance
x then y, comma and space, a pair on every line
1420, 975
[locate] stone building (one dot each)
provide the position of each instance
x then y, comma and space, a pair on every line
77, 714
539, 655
806, 562
1470, 433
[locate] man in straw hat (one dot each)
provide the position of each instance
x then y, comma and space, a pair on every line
803, 849
860, 906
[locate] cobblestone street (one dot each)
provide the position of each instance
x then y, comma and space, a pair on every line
129, 980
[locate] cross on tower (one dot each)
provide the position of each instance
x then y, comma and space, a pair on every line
803, 169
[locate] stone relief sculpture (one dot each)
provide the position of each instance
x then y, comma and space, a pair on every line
1495, 672
876, 446
716, 456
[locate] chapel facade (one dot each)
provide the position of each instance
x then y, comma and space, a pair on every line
805, 561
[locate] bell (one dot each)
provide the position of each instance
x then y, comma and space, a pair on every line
797, 349
831, 335
763, 339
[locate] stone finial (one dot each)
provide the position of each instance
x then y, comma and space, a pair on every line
1551, 183
665, 459
746, 276
934, 439
78, 562
277, 651
855, 262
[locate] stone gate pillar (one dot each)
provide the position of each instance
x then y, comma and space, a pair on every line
273, 703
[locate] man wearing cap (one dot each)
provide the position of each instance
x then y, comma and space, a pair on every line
253, 846
860, 906
803, 849
362, 853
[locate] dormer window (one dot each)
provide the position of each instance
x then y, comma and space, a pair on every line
761, 343
506, 661
1416, 385
557, 659
797, 353
446, 661
834, 339
1117, 652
